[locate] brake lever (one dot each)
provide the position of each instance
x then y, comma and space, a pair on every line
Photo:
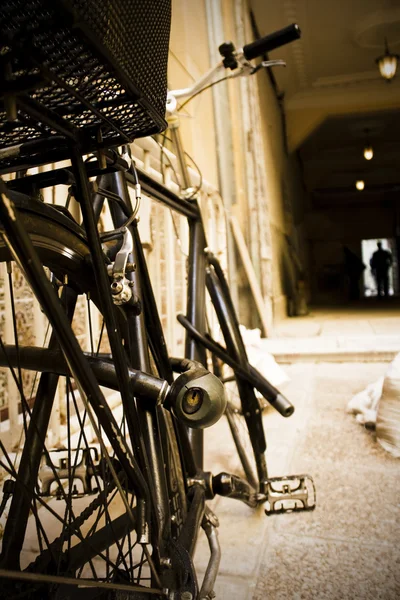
247, 66
273, 63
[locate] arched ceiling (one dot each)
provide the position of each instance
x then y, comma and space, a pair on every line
332, 88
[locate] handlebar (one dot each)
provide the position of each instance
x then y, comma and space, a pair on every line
238, 62
272, 41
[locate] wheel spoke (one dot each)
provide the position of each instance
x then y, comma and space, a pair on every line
100, 337
90, 323
14, 319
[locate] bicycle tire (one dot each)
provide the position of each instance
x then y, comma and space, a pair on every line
74, 527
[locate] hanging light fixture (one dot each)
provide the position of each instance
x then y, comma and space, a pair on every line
387, 63
368, 150
360, 185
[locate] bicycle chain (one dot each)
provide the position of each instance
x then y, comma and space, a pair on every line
43, 559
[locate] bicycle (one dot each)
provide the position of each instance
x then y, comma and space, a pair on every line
115, 511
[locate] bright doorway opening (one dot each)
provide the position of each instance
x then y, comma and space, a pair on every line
368, 247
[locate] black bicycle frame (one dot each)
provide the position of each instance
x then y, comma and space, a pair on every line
196, 288
145, 324
145, 331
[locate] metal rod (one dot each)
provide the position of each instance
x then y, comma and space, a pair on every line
114, 335
80, 582
251, 375
159, 192
207, 587
177, 141
137, 347
150, 187
142, 384
188, 535
196, 314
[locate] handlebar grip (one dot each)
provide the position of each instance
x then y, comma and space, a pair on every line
283, 406
272, 41
270, 393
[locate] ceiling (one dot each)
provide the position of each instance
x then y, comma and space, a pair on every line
334, 96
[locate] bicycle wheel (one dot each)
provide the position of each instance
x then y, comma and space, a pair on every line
69, 519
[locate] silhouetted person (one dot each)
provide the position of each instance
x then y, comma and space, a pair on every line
380, 263
354, 268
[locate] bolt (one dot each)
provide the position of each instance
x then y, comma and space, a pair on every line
130, 267
192, 400
116, 287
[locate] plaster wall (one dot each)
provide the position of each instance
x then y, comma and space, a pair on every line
267, 183
270, 205
286, 200
188, 60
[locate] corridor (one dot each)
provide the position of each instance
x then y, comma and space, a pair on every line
349, 547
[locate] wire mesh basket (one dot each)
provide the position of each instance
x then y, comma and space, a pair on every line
94, 71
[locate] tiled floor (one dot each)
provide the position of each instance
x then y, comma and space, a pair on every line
349, 547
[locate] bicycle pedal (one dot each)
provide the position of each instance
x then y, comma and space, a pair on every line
291, 493
74, 466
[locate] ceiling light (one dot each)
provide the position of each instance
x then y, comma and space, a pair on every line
360, 185
387, 63
368, 152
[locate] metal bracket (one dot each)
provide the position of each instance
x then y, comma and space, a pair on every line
121, 259
121, 287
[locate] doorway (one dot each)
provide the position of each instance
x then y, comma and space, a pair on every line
368, 247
